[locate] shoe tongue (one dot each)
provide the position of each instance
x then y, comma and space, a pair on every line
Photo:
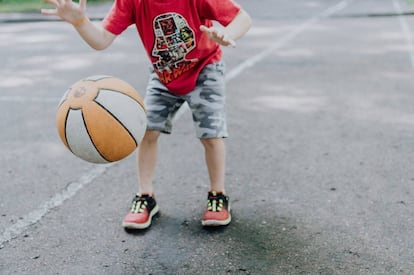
213, 195
141, 196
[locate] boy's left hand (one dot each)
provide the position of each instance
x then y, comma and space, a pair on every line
218, 36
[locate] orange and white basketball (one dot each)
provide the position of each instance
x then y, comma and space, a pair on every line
101, 119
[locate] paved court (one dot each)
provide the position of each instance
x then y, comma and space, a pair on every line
320, 158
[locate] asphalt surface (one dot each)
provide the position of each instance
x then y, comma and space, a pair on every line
320, 158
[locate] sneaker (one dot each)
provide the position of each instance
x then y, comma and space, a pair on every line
144, 207
218, 210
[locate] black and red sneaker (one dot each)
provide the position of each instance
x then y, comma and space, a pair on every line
144, 207
218, 210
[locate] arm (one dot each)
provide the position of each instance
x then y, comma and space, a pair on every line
96, 36
73, 13
233, 31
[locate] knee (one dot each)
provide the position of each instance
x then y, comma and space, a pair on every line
151, 137
211, 143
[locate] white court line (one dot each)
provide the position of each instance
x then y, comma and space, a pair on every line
37, 214
281, 42
405, 29
57, 200
286, 39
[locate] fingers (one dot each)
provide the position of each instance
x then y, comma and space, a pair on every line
204, 28
54, 3
224, 38
82, 4
211, 31
218, 35
68, 10
230, 42
48, 11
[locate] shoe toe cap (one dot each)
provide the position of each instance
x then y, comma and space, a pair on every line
220, 216
136, 218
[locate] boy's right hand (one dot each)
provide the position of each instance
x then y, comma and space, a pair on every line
69, 11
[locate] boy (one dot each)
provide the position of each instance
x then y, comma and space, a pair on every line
184, 48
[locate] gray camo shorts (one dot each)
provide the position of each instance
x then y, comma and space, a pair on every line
207, 103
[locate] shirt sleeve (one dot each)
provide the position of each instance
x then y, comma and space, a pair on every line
222, 11
119, 17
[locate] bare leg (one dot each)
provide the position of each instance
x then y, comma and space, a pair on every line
215, 155
147, 160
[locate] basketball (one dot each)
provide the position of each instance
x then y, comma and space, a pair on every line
101, 119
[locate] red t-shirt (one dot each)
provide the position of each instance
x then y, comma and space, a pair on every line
169, 30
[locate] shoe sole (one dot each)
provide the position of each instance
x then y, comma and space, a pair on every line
131, 225
216, 222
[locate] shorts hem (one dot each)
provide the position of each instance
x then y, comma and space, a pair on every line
212, 136
159, 129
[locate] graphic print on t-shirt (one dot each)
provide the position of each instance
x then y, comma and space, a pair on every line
174, 39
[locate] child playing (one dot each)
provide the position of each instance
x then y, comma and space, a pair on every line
184, 48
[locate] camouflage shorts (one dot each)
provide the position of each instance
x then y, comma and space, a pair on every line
206, 102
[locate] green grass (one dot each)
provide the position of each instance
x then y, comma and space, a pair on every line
31, 5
